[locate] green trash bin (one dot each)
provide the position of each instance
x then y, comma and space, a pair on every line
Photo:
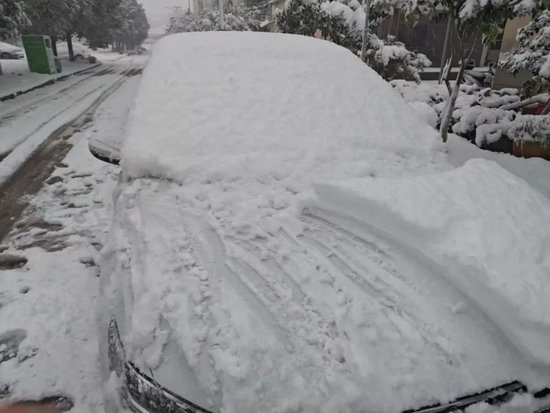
39, 54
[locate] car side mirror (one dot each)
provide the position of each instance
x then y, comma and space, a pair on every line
111, 158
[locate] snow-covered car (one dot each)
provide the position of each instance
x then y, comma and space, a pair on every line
81, 51
10, 52
289, 236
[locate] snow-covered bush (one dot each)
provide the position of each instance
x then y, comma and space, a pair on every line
342, 22
483, 125
466, 18
534, 48
531, 128
392, 60
235, 19
533, 54
12, 18
482, 116
337, 21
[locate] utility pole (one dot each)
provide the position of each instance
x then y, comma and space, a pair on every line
366, 32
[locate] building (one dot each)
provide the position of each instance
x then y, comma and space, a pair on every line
503, 78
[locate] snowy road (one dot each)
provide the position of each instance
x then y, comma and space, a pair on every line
28, 121
58, 209
35, 128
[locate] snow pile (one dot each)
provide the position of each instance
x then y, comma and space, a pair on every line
426, 112
535, 171
485, 226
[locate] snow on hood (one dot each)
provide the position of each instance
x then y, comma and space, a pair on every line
487, 227
263, 105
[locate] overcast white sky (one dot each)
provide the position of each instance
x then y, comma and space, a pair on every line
158, 12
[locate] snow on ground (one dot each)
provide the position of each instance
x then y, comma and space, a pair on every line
52, 299
535, 171
277, 309
16, 76
30, 119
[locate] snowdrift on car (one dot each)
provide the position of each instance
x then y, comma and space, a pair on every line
489, 228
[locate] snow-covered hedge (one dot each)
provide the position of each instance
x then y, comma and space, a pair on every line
531, 128
483, 116
343, 21
235, 19
392, 60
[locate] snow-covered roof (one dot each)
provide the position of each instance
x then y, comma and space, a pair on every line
263, 103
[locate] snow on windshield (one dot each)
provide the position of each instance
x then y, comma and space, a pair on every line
264, 105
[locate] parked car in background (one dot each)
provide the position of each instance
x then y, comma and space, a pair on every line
138, 50
81, 51
8, 51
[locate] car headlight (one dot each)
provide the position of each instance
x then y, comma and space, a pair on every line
140, 392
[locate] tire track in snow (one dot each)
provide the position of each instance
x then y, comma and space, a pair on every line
299, 328
394, 312
437, 304
27, 107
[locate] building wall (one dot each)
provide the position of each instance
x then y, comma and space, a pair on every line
509, 41
428, 37
503, 78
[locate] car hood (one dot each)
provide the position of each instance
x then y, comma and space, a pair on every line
311, 312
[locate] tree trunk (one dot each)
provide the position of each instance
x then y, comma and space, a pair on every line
365, 39
446, 44
54, 46
450, 107
70, 47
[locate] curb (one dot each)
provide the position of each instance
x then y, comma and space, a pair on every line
46, 83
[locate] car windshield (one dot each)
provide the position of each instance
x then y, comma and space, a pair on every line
274, 206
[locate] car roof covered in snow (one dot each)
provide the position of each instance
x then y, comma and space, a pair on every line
242, 102
6, 47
